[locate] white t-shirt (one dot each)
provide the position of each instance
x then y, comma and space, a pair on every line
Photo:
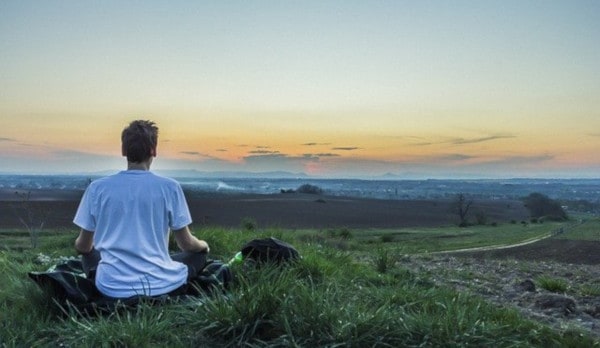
130, 214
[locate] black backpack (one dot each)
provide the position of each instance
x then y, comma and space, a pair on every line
215, 276
67, 284
269, 250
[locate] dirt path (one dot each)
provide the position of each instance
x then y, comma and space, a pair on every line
496, 247
511, 276
555, 232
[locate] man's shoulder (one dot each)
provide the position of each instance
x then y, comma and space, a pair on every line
108, 179
101, 181
124, 177
156, 180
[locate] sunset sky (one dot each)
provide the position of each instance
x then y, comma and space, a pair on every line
425, 89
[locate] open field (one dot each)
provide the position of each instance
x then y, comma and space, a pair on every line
286, 211
333, 296
356, 286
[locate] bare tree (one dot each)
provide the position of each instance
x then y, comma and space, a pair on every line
31, 214
462, 209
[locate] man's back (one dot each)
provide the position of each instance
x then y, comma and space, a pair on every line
131, 213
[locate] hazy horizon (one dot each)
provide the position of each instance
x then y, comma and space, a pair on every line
463, 89
409, 176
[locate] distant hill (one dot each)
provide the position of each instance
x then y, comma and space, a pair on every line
225, 174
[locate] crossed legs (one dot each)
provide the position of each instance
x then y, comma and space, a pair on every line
195, 262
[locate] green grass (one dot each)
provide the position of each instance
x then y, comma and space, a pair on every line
552, 284
424, 240
338, 295
582, 228
591, 290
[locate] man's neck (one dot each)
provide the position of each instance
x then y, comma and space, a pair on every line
138, 165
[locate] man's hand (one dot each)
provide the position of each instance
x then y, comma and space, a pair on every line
203, 245
188, 242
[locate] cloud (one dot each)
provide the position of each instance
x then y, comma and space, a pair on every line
453, 157
462, 141
346, 148
594, 134
273, 155
327, 154
423, 144
263, 152
221, 150
193, 153
278, 156
521, 160
413, 140
197, 154
315, 144
438, 166
7, 139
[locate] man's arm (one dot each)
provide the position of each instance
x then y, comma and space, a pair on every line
84, 242
186, 241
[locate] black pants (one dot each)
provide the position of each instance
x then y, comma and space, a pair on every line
195, 262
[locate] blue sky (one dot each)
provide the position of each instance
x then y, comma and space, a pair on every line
461, 88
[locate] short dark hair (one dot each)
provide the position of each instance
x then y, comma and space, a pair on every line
138, 140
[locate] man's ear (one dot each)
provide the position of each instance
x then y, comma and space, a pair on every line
123, 151
153, 152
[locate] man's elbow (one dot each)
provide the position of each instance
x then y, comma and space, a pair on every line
186, 245
198, 246
82, 248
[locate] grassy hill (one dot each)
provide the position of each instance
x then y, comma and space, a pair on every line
353, 288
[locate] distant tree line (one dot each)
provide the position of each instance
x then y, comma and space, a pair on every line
582, 205
305, 188
541, 206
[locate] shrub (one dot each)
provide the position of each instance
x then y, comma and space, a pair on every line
248, 224
552, 284
345, 233
337, 244
384, 260
590, 290
312, 238
308, 188
387, 238
481, 218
